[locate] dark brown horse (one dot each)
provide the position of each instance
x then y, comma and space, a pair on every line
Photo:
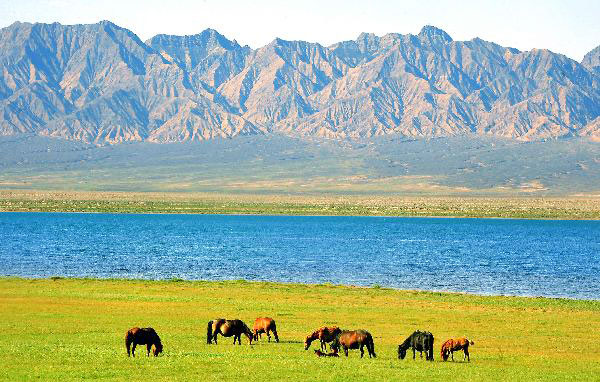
265, 325
456, 344
228, 328
143, 336
354, 339
324, 334
419, 342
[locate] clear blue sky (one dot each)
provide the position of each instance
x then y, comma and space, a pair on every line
568, 27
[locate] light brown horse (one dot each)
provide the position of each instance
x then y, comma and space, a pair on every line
144, 336
228, 328
456, 344
265, 325
354, 339
324, 334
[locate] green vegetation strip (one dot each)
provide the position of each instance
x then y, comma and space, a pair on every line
530, 208
73, 329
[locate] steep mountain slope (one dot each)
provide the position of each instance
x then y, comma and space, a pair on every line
100, 83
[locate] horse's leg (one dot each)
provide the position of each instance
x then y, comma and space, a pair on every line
133, 349
371, 349
323, 345
467, 354
362, 352
452, 354
346, 351
149, 347
275, 335
268, 334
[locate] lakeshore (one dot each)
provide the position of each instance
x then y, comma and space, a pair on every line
573, 207
73, 329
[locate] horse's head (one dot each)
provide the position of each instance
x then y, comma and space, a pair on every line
249, 334
401, 352
335, 345
307, 342
444, 353
158, 348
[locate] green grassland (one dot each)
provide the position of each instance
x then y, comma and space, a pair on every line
197, 203
73, 329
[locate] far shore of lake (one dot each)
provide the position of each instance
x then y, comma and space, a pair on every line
571, 207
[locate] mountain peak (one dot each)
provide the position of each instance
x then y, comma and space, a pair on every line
592, 59
435, 34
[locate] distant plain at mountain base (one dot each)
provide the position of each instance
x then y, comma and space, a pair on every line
274, 164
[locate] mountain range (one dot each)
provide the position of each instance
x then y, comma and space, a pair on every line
99, 83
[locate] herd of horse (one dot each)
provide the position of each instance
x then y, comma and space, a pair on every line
419, 341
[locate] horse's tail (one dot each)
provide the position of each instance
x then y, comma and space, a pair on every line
209, 332
371, 345
128, 341
470, 342
431, 338
274, 330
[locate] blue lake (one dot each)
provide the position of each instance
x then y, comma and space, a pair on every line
484, 256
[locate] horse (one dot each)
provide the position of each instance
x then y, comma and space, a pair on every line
354, 339
418, 341
143, 336
228, 328
456, 344
265, 325
324, 334
321, 354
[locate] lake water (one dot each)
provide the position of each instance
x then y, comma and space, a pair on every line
484, 256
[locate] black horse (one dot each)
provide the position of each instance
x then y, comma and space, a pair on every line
418, 341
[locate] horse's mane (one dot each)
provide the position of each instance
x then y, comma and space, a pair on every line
406, 344
313, 336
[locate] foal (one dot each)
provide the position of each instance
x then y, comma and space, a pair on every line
456, 344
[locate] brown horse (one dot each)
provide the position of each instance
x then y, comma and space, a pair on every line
324, 334
354, 339
265, 325
227, 328
143, 336
456, 344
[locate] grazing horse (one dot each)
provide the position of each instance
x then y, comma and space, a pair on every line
143, 336
265, 325
456, 344
324, 334
227, 328
418, 341
354, 339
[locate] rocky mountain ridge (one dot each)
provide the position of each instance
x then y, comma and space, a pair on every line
100, 83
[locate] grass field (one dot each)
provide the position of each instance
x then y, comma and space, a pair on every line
68, 329
357, 205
